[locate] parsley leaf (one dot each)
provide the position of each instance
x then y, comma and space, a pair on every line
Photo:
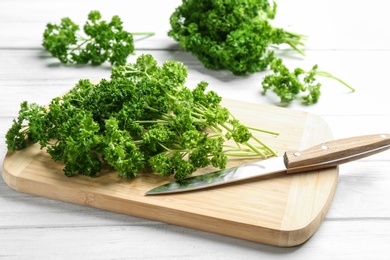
232, 35
143, 118
291, 85
103, 41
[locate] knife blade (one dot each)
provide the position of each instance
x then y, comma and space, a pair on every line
323, 155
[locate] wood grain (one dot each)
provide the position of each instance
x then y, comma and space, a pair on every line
357, 225
336, 152
282, 211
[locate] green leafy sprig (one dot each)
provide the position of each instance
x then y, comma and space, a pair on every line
232, 35
144, 117
102, 41
291, 85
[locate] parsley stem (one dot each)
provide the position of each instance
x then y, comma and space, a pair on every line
262, 130
78, 46
255, 149
328, 75
264, 145
143, 33
238, 154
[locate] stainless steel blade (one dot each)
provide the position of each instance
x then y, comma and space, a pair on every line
324, 155
261, 168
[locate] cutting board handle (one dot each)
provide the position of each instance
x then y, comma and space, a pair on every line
335, 152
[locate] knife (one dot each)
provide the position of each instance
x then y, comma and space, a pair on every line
324, 155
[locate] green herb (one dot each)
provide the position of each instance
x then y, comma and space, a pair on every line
232, 35
144, 117
299, 83
102, 41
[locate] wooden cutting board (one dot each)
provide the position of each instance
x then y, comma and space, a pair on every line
281, 211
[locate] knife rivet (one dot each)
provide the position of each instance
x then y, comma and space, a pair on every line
324, 147
296, 154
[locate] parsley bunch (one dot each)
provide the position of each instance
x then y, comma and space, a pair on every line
298, 83
144, 117
102, 41
232, 35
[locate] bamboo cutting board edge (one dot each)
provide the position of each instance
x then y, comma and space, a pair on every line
160, 208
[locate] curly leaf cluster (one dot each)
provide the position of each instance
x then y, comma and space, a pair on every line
296, 84
144, 117
232, 35
103, 41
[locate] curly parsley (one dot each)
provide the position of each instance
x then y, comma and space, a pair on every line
102, 41
232, 35
144, 117
296, 84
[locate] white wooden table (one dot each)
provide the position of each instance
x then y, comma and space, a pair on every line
350, 39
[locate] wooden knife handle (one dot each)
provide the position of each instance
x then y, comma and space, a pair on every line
335, 152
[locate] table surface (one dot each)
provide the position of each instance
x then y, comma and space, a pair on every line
349, 39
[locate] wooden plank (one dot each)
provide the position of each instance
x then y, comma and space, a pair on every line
173, 242
283, 211
33, 81
335, 33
